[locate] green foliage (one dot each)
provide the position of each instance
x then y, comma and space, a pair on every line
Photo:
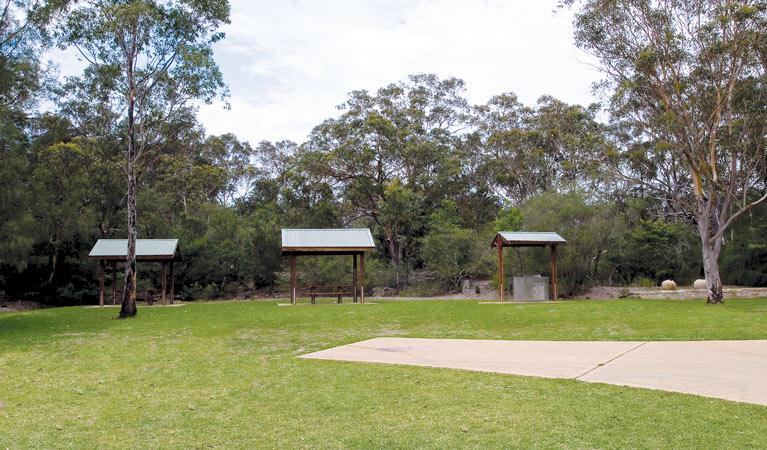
660, 250
509, 219
18, 229
745, 253
592, 232
644, 282
456, 254
22, 26
527, 150
445, 217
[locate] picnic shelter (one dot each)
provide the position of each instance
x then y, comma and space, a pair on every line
337, 241
112, 251
527, 239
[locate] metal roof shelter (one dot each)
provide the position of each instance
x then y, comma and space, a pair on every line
348, 241
527, 239
165, 251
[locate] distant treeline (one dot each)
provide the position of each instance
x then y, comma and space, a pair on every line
431, 175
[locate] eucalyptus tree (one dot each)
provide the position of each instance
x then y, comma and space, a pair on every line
687, 81
22, 31
511, 158
391, 157
234, 158
19, 55
63, 195
529, 150
89, 106
156, 57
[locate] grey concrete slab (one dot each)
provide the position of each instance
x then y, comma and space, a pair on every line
732, 370
551, 359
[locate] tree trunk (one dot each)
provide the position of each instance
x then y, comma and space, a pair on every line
711, 247
129, 297
54, 261
711, 269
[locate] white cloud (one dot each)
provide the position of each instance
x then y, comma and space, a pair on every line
289, 63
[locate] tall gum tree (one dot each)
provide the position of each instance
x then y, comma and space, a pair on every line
687, 82
392, 156
23, 32
156, 56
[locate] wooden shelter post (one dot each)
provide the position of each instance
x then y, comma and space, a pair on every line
500, 271
164, 281
114, 282
354, 276
293, 279
362, 278
102, 263
554, 273
172, 283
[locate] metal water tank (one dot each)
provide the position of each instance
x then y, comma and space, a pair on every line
529, 288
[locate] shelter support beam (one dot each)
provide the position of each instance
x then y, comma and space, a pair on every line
172, 283
554, 293
362, 278
292, 279
164, 282
102, 263
114, 282
354, 277
500, 272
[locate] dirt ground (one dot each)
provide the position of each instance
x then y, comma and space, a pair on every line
486, 292
21, 305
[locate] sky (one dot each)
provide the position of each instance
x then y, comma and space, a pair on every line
289, 63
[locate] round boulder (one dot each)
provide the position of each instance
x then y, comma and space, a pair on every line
668, 285
699, 284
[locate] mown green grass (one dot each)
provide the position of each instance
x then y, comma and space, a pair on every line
226, 376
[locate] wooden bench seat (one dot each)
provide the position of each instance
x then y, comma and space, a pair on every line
315, 291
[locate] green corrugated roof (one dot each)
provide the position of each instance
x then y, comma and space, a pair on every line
327, 238
531, 236
163, 248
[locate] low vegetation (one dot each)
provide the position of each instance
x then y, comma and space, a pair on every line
227, 376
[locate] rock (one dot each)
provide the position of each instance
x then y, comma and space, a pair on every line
699, 284
668, 285
384, 292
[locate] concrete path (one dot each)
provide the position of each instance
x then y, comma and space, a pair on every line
732, 370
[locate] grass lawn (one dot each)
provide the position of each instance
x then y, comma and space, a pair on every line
226, 376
